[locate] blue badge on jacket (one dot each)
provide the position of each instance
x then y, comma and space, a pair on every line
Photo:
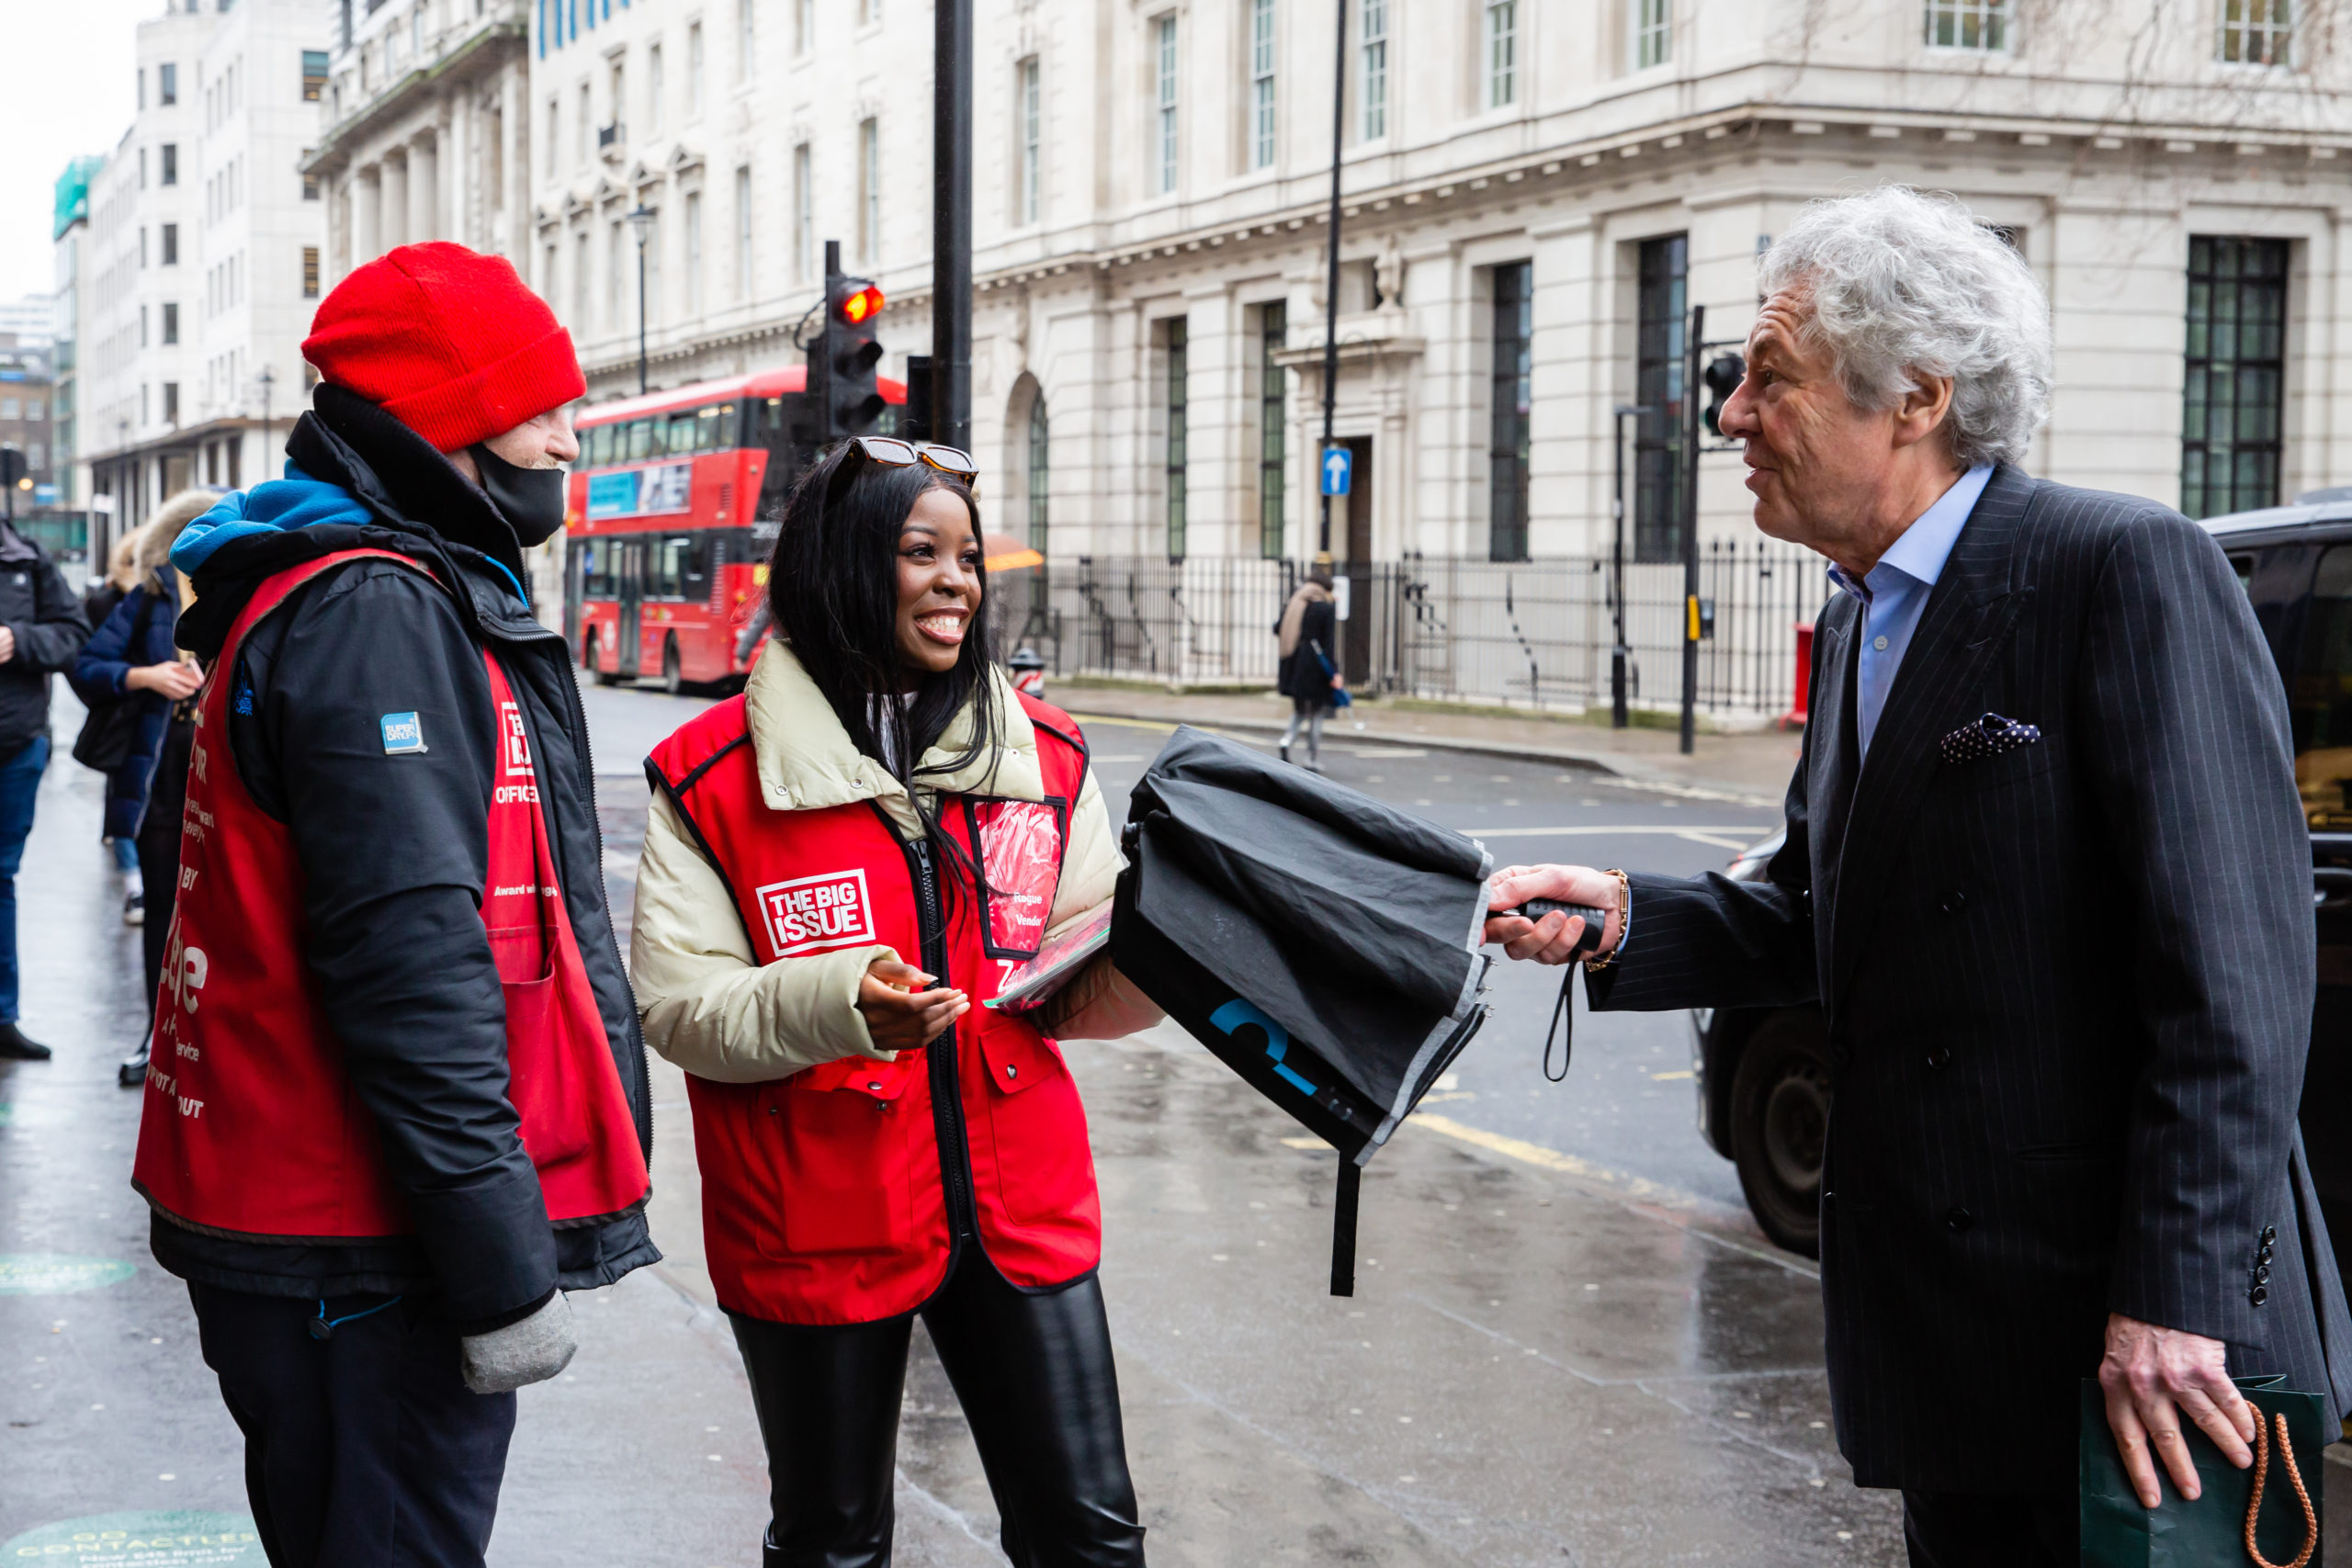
403, 734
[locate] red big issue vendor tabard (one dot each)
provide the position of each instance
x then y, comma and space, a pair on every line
251, 1126
841, 1193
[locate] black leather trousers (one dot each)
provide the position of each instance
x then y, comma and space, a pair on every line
1035, 1377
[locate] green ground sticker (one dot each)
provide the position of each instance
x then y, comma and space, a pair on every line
143, 1540
57, 1273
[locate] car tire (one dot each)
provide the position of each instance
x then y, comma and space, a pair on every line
673, 679
1779, 1120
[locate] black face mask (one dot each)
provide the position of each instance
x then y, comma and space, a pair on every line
531, 500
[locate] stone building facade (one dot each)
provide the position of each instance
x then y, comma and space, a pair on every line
1532, 194
426, 135
199, 258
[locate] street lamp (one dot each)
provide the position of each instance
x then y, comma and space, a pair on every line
642, 218
1617, 652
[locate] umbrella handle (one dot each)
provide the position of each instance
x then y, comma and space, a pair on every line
1595, 921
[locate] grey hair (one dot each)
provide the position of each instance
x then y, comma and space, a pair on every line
1903, 283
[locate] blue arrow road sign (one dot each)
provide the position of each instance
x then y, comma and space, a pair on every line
1339, 471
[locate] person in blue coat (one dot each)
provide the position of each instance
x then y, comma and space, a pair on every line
132, 658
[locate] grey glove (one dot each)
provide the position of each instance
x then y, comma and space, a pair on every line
532, 1351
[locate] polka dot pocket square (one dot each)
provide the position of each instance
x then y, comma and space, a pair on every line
1988, 737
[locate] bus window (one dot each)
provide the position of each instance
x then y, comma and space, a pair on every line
592, 581
694, 575
640, 442
681, 432
600, 446
668, 568
711, 426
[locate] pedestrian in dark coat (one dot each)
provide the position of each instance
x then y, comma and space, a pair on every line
1306, 668
2047, 876
132, 658
41, 630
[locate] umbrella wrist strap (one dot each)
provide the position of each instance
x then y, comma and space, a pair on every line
1564, 1028
1343, 1228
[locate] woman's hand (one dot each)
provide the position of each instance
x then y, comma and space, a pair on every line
175, 679
899, 1016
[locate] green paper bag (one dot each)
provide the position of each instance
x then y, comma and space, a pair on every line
2210, 1532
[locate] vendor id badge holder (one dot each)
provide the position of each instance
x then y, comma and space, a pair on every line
1018, 846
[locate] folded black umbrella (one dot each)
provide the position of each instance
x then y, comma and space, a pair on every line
1323, 944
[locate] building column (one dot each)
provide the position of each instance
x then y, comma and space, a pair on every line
425, 189
367, 214
395, 213
514, 160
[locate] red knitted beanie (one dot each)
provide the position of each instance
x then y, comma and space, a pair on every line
449, 342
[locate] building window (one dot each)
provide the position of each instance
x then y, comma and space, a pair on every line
1164, 53
2237, 349
309, 272
555, 126
171, 402
2257, 32
171, 321
653, 91
1653, 33
743, 16
693, 255
170, 171
1508, 452
1659, 366
1375, 69
167, 84
804, 25
1032, 122
1502, 51
1273, 330
586, 127
171, 245
1262, 84
870, 190
1040, 473
804, 217
309, 181
314, 73
694, 72
1979, 25
547, 261
1177, 329
743, 234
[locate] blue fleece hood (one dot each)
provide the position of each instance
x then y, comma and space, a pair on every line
297, 500
279, 506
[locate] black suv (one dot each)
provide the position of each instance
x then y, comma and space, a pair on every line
1763, 1073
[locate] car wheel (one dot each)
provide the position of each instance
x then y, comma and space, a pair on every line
1780, 1115
673, 680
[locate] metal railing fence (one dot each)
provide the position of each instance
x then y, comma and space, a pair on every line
1522, 634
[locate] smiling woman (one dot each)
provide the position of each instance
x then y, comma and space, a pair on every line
837, 864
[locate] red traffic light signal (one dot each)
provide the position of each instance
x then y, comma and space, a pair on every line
861, 307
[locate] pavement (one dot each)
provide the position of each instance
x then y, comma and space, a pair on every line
1569, 1343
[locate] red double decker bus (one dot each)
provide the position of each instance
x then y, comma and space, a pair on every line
671, 517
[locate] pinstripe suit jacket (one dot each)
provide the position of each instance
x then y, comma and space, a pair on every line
2068, 991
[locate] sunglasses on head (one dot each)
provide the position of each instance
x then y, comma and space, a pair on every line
889, 452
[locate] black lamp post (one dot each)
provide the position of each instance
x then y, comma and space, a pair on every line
642, 218
1618, 718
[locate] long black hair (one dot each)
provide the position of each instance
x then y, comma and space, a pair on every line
833, 589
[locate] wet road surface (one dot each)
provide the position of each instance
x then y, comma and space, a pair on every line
1568, 1345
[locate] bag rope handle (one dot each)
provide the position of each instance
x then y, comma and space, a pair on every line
2294, 1476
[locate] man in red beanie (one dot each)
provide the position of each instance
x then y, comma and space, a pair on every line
396, 1101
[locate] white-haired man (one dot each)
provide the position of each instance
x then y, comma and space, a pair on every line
2046, 875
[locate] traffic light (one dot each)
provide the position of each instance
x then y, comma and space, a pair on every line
844, 359
1723, 375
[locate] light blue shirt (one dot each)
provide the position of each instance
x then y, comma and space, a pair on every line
1897, 591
